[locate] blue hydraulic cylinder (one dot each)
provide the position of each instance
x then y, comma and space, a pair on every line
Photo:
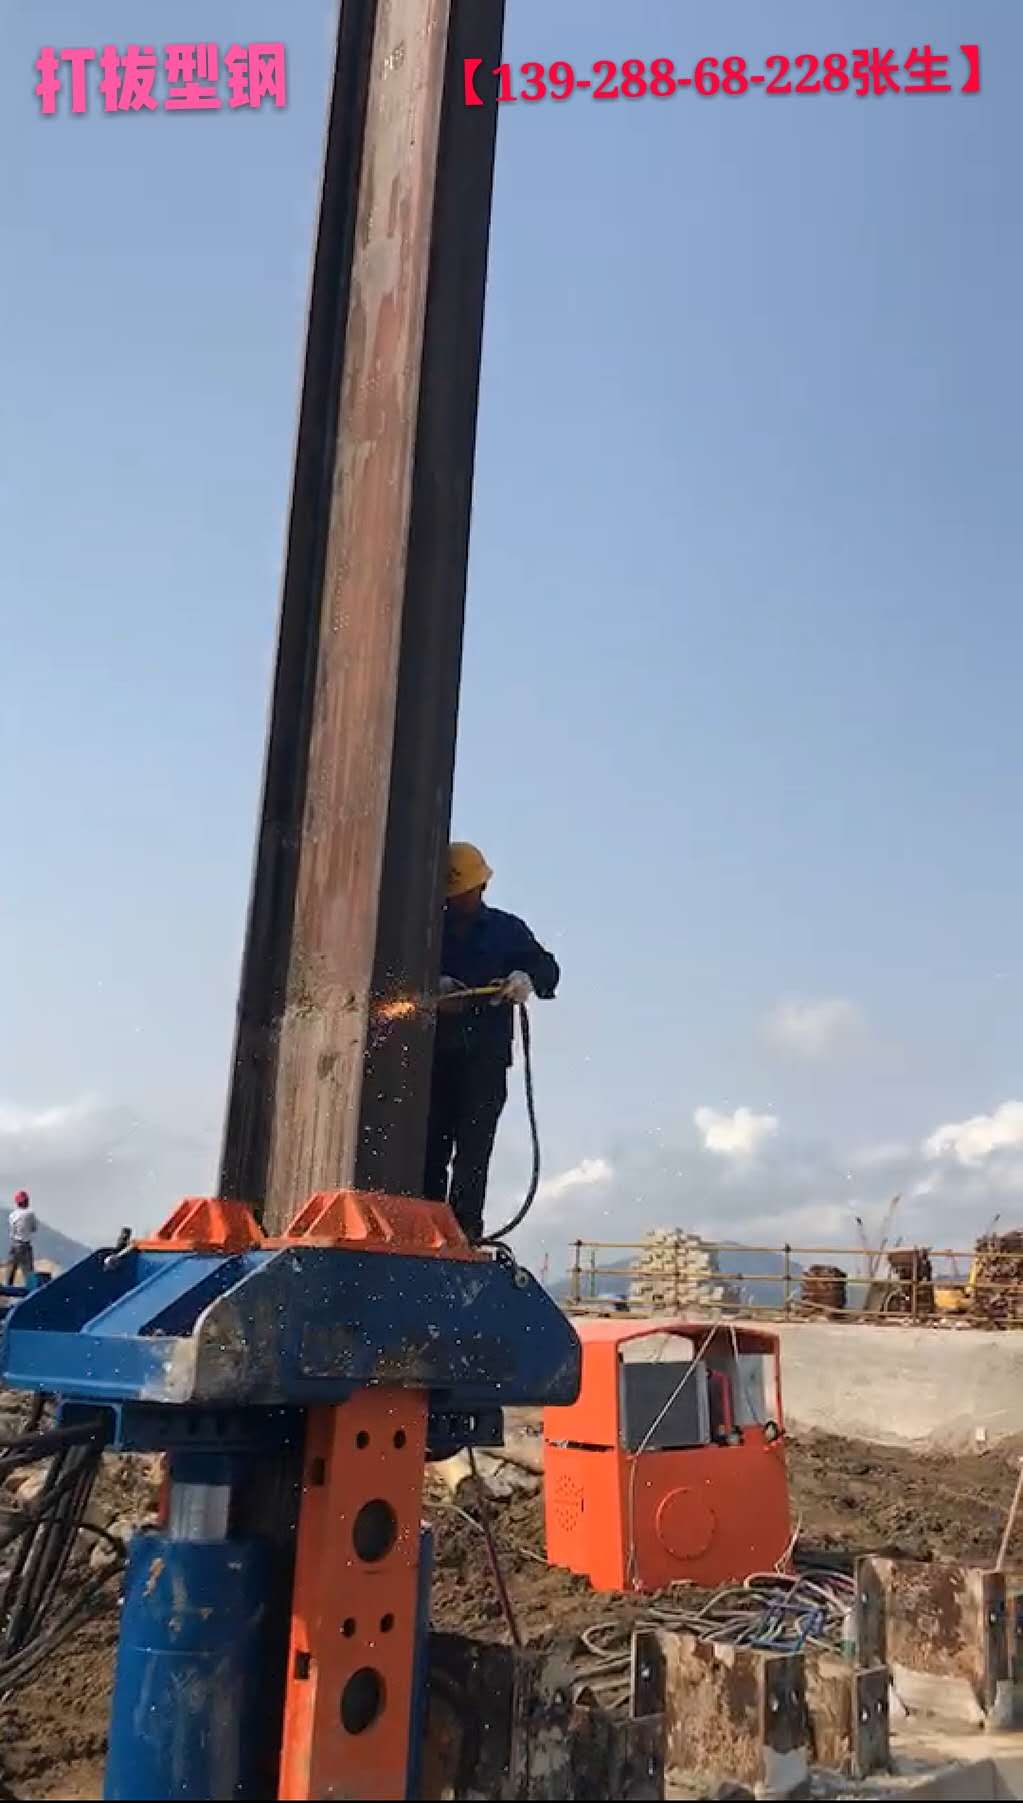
188, 1716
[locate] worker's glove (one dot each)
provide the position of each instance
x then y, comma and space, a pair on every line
518, 988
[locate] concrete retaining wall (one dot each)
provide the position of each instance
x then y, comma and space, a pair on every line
898, 1385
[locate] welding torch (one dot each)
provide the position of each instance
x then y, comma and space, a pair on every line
400, 1007
482, 992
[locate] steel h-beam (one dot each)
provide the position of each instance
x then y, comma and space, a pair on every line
345, 902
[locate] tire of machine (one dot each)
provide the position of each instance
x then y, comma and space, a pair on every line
185, 1721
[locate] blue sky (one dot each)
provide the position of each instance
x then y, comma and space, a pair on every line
740, 728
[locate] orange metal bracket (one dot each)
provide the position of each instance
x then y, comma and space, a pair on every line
348, 1703
201, 1224
366, 1221
361, 1221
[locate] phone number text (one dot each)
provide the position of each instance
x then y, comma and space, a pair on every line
861, 72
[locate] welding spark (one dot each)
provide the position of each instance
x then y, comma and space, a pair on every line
400, 1009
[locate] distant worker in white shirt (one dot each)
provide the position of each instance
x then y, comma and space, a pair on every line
21, 1260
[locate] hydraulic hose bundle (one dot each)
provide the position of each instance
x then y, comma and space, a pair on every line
775, 1611
39, 1606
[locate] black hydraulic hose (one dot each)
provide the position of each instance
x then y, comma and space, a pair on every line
38, 1544
492, 1554
56, 1547
23, 1449
20, 1666
42, 1556
493, 1239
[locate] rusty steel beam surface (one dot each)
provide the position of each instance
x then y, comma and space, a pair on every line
346, 893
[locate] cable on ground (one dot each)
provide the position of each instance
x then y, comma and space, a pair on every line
40, 1605
492, 1554
770, 1611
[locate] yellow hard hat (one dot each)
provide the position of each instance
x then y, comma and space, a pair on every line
467, 869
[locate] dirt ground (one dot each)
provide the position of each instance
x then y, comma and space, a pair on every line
53, 1732
846, 1496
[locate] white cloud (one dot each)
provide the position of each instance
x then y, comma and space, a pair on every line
735, 1135
91, 1167
801, 1191
972, 1141
583, 1175
817, 1223
56, 1139
52, 1126
815, 1029
744, 1176
878, 1157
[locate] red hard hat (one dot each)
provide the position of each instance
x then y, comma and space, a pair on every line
22, 1196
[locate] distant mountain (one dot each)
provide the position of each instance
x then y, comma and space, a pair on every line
607, 1282
757, 1269
54, 1248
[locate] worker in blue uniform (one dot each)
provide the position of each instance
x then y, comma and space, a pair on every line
473, 1043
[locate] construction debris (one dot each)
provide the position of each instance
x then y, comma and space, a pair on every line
996, 1281
913, 1292
677, 1271
673, 1271
502, 1474
823, 1289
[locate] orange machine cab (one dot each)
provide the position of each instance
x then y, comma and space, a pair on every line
670, 1467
